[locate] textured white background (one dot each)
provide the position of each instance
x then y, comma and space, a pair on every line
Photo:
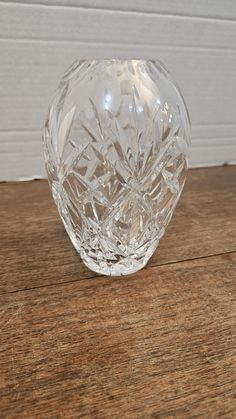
39, 40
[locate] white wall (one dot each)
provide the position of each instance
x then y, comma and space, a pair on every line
39, 39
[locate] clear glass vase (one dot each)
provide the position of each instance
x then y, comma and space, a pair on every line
116, 144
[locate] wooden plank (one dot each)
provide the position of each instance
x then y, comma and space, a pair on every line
157, 344
57, 23
37, 251
213, 153
214, 131
204, 223
214, 9
25, 96
37, 43
21, 155
30, 72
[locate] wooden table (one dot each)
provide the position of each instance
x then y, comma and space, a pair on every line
157, 344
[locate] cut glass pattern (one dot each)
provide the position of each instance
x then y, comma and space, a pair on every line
116, 143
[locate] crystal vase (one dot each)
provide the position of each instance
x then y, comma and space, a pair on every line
116, 143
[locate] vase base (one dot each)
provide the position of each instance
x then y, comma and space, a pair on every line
126, 267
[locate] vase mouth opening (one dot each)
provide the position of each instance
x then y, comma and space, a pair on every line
123, 62
119, 60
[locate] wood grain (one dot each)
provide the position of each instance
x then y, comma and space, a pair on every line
157, 344
37, 252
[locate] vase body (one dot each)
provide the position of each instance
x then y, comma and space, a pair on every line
116, 144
